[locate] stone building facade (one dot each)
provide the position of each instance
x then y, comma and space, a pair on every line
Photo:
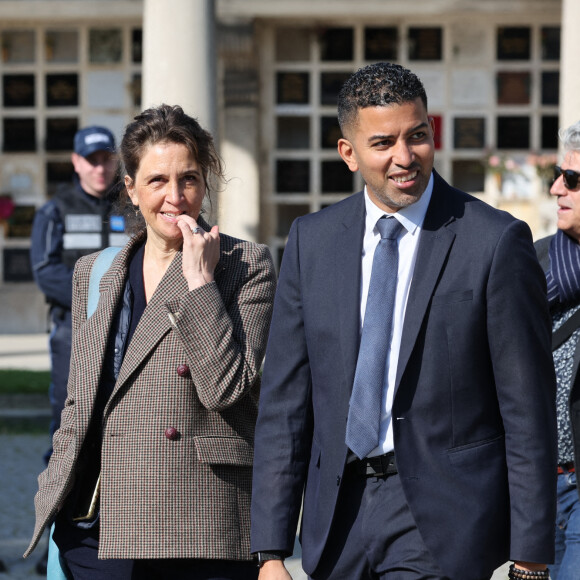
263, 75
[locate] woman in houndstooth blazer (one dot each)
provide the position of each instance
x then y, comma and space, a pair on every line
158, 427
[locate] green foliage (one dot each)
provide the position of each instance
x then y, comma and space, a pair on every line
24, 381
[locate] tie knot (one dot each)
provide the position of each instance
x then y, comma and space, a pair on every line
389, 228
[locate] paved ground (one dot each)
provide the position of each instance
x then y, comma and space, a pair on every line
21, 462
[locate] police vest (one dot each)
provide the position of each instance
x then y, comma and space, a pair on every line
88, 224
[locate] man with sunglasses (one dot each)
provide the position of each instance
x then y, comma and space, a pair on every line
559, 255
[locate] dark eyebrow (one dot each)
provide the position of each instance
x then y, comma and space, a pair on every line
380, 137
161, 174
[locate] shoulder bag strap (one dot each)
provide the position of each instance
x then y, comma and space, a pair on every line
100, 266
560, 336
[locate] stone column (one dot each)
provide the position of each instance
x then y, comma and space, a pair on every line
179, 66
239, 203
570, 64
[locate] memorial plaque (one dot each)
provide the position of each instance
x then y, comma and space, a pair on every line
19, 134
137, 45
18, 46
469, 133
292, 88
292, 44
293, 132
106, 89
105, 45
425, 43
471, 88
61, 46
550, 42
18, 90
330, 132
336, 44
382, 43
60, 133
292, 176
513, 132
550, 88
513, 88
468, 175
549, 137
20, 222
17, 265
330, 85
58, 173
62, 90
435, 84
469, 42
336, 177
513, 43
136, 89
287, 213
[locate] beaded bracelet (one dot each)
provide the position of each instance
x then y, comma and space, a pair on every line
519, 574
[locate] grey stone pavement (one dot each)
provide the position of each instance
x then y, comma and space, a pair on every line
21, 462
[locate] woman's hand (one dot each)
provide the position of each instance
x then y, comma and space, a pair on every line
201, 252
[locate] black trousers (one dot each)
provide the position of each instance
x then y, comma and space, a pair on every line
79, 549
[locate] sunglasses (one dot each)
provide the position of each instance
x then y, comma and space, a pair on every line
570, 177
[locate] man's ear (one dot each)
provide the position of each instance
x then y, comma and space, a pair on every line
75, 159
432, 125
346, 151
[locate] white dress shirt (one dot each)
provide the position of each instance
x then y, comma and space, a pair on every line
411, 218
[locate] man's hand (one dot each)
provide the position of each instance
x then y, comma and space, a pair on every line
274, 570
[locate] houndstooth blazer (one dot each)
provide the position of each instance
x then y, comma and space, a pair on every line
164, 496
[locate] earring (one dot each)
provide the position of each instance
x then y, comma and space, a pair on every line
136, 208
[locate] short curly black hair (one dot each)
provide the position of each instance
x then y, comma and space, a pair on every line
375, 85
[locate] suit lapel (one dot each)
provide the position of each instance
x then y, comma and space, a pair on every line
434, 245
347, 259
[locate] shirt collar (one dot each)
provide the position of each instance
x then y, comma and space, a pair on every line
411, 217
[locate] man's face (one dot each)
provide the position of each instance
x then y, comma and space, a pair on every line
96, 172
392, 147
568, 200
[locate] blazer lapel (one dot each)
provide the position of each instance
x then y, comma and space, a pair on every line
434, 245
154, 323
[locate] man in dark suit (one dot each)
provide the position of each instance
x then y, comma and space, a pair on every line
432, 457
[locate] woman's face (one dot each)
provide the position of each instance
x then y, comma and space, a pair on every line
168, 183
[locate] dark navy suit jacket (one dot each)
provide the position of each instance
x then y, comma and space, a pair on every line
474, 411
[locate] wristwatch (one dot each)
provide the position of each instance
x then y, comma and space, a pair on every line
262, 557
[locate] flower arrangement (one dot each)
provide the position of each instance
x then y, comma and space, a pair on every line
6, 207
544, 165
498, 164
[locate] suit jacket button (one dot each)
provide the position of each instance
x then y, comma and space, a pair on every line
171, 433
183, 371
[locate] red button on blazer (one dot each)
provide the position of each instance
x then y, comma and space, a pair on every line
171, 433
183, 370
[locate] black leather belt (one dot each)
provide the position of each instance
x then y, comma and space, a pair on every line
379, 466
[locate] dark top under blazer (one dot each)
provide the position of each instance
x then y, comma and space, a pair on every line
542, 249
186, 495
474, 411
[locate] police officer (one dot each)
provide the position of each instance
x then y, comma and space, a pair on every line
75, 222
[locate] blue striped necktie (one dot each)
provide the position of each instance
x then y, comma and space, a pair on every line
364, 415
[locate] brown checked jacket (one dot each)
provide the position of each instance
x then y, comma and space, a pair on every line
178, 429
